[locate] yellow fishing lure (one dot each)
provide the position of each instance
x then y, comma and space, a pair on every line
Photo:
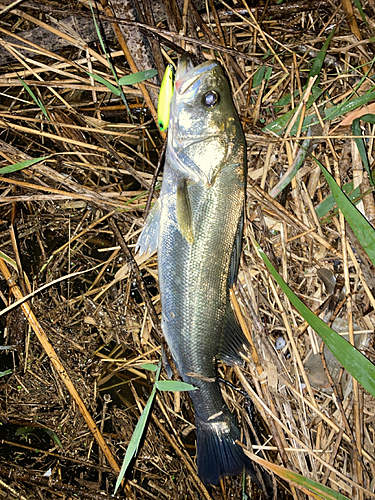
165, 96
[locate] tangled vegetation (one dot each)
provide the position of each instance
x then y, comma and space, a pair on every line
81, 160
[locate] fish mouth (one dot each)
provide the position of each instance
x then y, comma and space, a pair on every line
187, 74
185, 64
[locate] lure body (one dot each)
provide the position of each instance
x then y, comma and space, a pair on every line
165, 97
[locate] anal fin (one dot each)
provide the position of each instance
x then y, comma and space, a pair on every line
183, 211
148, 239
233, 344
166, 364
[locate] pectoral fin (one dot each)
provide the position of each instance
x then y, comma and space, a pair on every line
148, 239
183, 210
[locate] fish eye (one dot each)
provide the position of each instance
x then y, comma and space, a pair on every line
211, 99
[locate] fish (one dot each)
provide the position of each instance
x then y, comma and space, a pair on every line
196, 226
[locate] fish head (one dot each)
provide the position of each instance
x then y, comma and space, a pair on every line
204, 132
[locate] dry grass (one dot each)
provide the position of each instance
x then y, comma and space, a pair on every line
70, 222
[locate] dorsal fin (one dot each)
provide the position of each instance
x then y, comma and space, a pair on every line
236, 253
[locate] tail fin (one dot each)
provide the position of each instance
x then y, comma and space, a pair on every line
218, 455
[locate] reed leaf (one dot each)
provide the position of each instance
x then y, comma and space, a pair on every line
361, 227
21, 165
354, 361
139, 77
318, 490
360, 142
174, 385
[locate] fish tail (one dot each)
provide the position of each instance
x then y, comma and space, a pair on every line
218, 455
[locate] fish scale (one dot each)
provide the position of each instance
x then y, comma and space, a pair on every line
196, 225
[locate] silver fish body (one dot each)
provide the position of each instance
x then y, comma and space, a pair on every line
197, 227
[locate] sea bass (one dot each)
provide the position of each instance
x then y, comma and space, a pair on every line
196, 225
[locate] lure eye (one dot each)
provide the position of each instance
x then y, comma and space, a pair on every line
211, 99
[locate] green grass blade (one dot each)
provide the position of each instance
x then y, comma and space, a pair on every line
293, 169
4, 374
24, 431
174, 385
21, 165
319, 489
149, 366
262, 72
37, 101
100, 79
268, 74
350, 358
359, 7
114, 73
98, 32
165, 385
286, 99
356, 196
329, 203
53, 436
137, 77
10, 261
133, 446
278, 125
363, 230
258, 76
360, 142
349, 105
319, 60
